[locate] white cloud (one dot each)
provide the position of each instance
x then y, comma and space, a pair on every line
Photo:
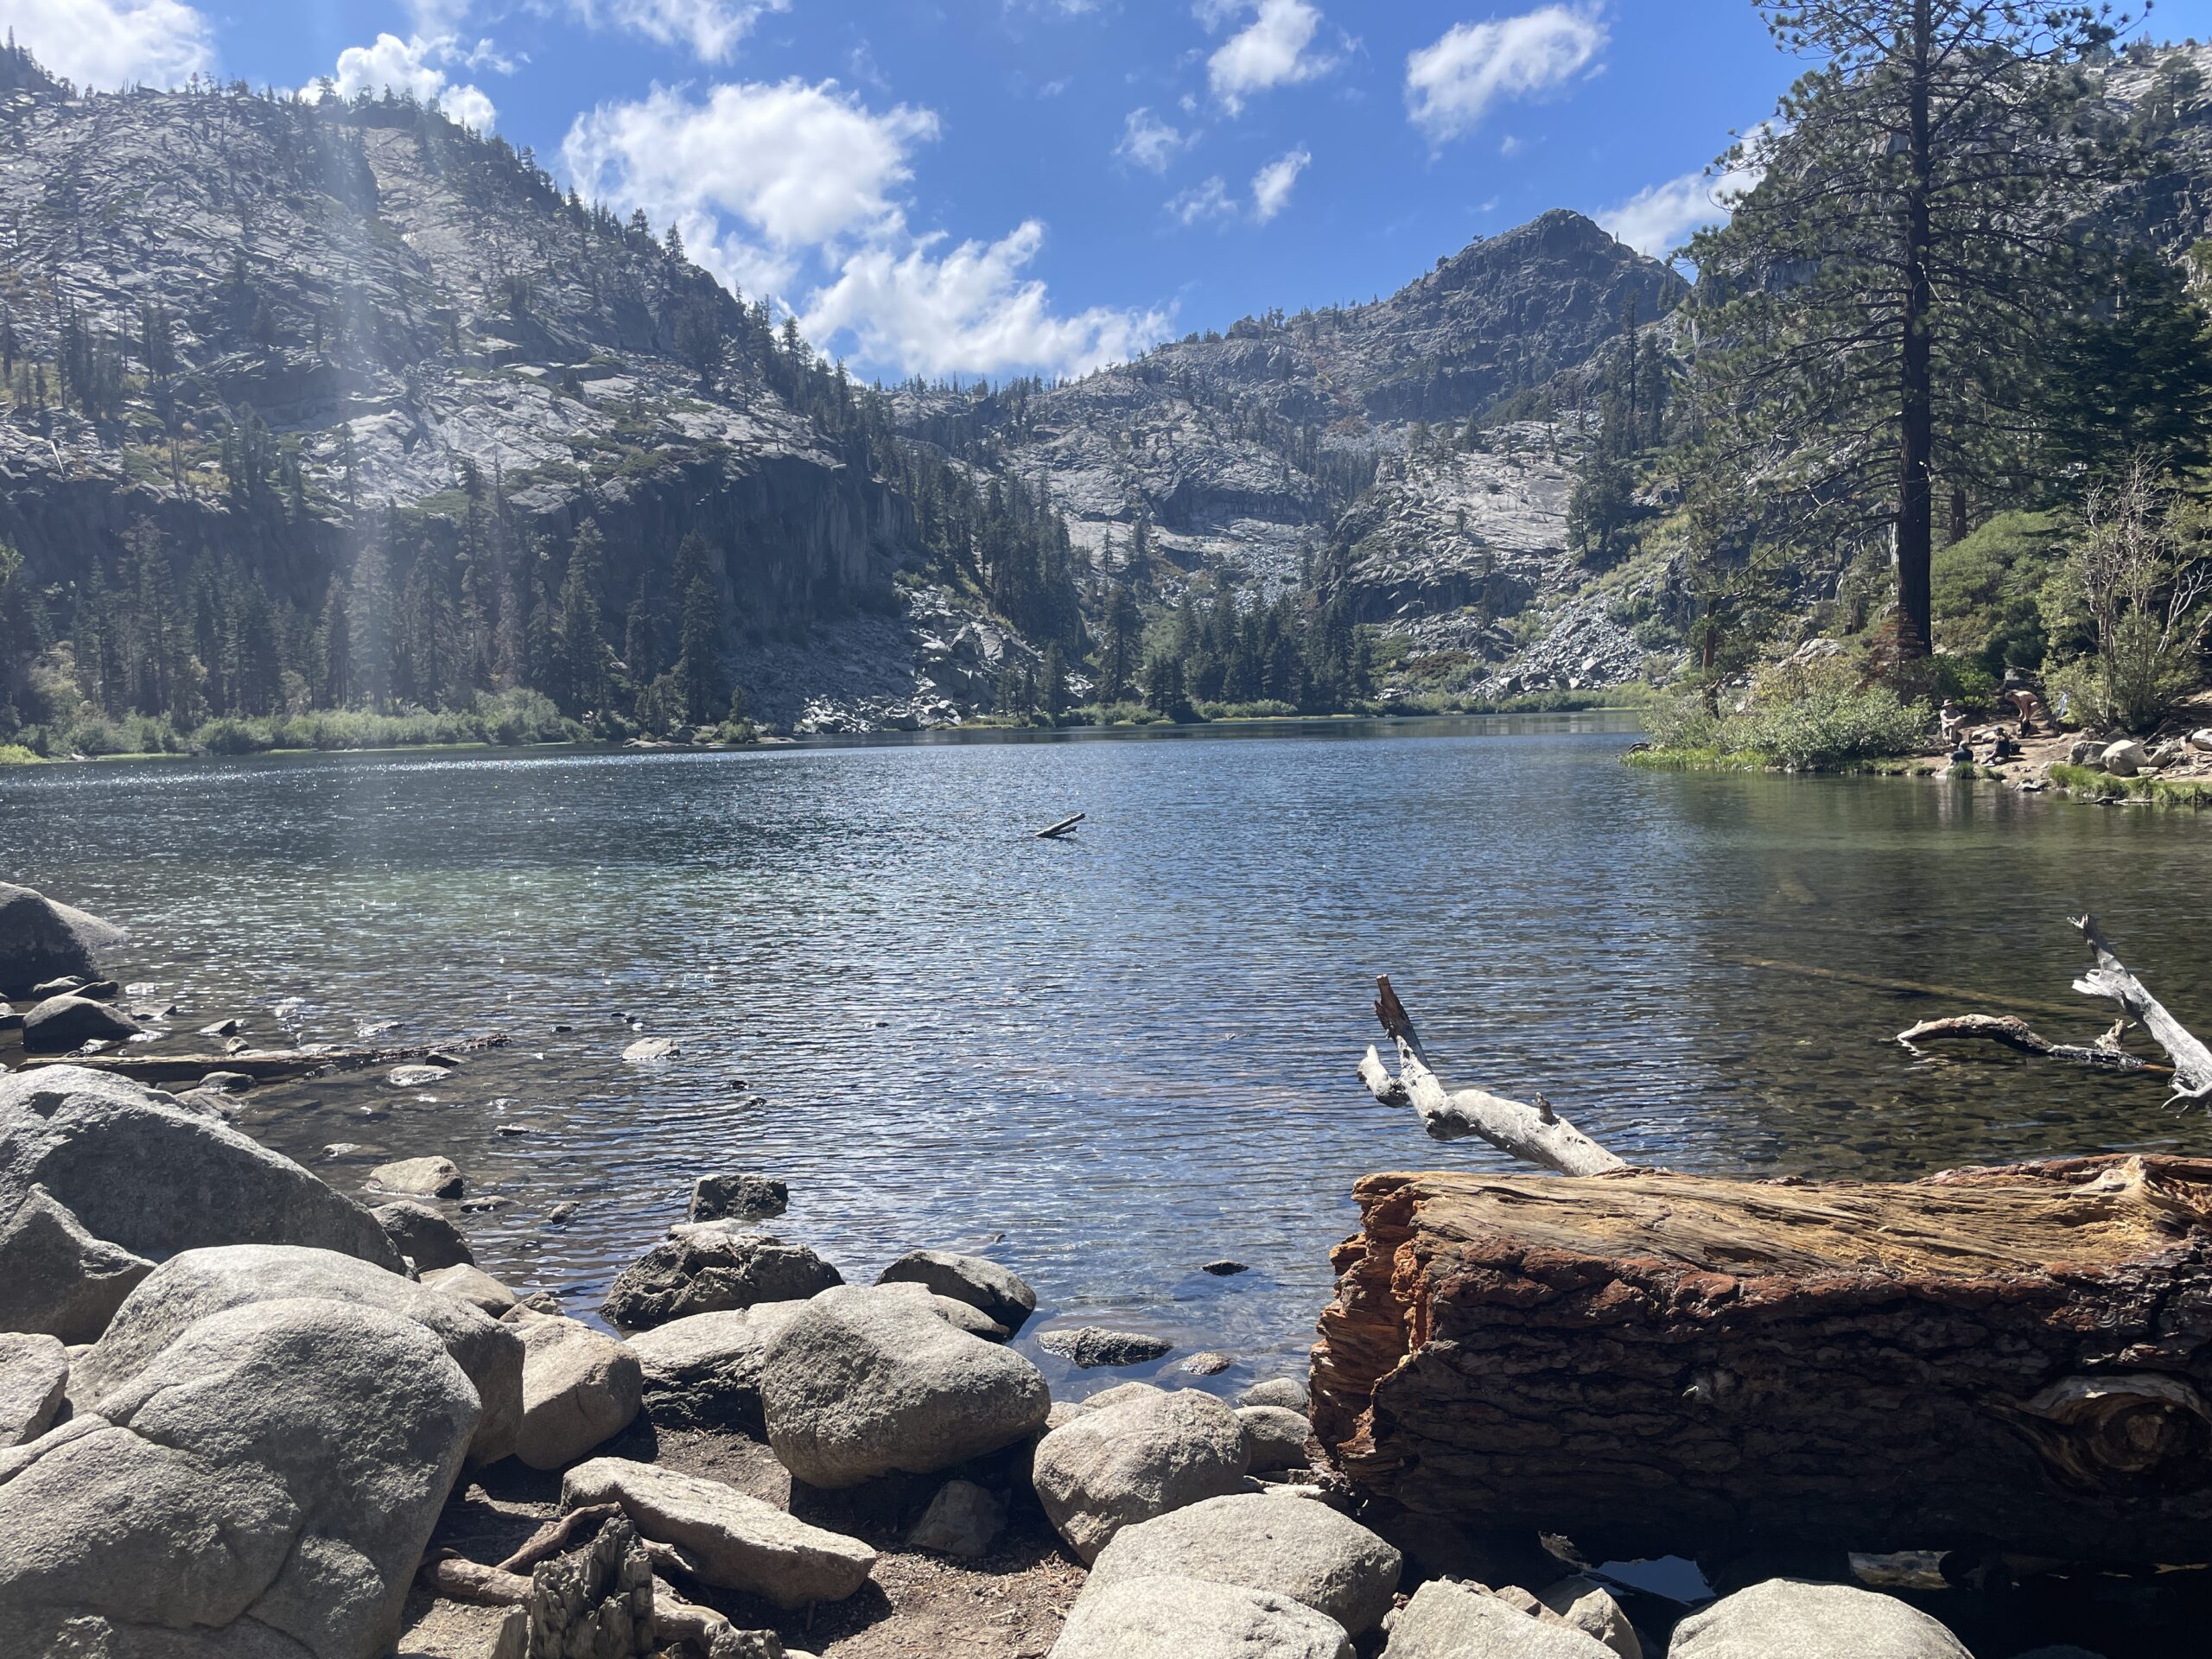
411, 65
1202, 202
801, 163
115, 42
1452, 82
774, 185
711, 28
1660, 218
1151, 142
970, 311
1271, 185
1274, 49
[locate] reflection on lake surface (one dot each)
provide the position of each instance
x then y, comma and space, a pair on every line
1109, 1059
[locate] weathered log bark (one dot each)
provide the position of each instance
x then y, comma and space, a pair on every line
264, 1065
2015, 1358
1535, 1133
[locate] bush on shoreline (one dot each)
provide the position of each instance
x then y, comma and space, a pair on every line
507, 719
1811, 716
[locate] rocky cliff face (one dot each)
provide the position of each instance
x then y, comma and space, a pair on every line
396, 301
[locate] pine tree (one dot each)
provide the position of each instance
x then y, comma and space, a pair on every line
580, 647
1926, 177
699, 669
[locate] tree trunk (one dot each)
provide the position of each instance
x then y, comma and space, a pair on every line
1916, 484
2014, 1358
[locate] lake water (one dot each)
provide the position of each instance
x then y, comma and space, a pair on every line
1108, 1060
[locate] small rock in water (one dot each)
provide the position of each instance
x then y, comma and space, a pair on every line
433, 1177
414, 1077
62, 1023
737, 1198
221, 1029
100, 990
369, 1028
1206, 1364
423, 1236
1090, 1345
484, 1202
62, 987
1225, 1268
560, 1027
648, 1049
141, 988
510, 1128
346, 1149
236, 1046
227, 1082
562, 1214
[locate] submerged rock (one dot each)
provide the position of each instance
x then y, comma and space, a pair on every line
863, 1382
735, 1541
737, 1198
1143, 1456
1191, 1619
982, 1284
41, 940
710, 1267
1090, 1345
101, 1177
62, 1023
423, 1177
264, 1485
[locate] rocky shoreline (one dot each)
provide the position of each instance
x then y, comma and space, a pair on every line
246, 1417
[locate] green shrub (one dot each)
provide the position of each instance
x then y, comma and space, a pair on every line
1803, 716
15, 755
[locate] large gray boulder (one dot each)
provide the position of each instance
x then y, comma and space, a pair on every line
1445, 1620
735, 1542
579, 1387
33, 1382
1305, 1551
188, 1288
1125, 1463
1277, 1438
866, 1381
62, 1023
997, 1291
1812, 1621
1191, 1619
711, 1268
263, 1489
704, 1372
140, 1177
41, 940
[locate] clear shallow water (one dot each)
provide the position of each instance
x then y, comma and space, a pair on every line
1109, 1060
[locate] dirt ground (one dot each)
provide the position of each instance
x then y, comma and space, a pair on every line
1010, 1606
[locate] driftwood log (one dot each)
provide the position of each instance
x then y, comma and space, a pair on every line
2016, 1358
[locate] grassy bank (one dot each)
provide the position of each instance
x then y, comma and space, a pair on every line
2103, 787
1620, 698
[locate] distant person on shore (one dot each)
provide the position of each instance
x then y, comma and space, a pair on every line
1949, 720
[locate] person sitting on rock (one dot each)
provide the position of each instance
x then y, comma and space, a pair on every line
1948, 721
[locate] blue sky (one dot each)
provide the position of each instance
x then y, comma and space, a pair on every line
992, 186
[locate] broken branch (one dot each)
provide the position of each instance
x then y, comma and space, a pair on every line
2106, 1052
2109, 976
1535, 1133
1065, 827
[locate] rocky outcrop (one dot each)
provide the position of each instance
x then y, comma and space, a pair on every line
1143, 1456
264, 1485
734, 1542
43, 940
194, 1285
709, 1268
1293, 1547
100, 1177
865, 1382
